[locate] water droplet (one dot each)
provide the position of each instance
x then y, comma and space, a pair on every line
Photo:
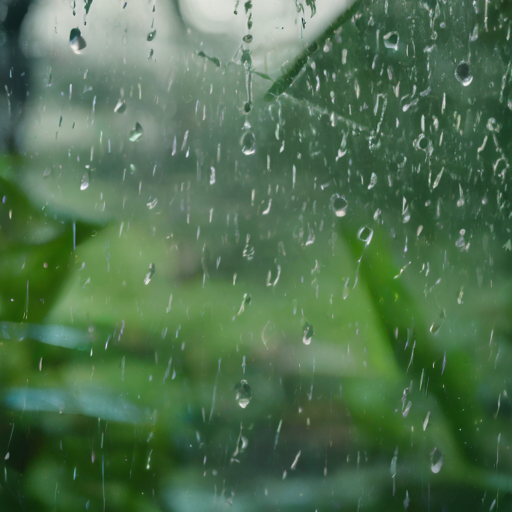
425, 421
152, 204
247, 38
405, 411
345, 289
460, 201
248, 252
435, 327
365, 235
248, 143
463, 73
311, 236
246, 59
493, 125
407, 500
84, 184
474, 35
151, 35
76, 41
136, 133
308, 333
246, 301
243, 393
313, 48
120, 107
435, 467
391, 40
392, 468
373, 181
150, 274
339, 205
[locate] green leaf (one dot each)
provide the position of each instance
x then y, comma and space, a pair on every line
282, 84
263, 75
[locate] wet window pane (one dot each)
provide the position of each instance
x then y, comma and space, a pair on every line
255, 255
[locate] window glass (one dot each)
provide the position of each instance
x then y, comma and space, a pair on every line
255, 255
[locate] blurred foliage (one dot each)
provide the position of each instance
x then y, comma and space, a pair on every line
373, 212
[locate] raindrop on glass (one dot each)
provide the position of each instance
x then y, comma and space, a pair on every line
394, 460
463, 73
365, 235
436, 461
76, 41
407, 500
339, 205
243, 393
307, 333
120, 107
391, 40
373, 181
151, 204
248, 252
248, 143
151, 35
493, 125
345, 290
150, 274
246, 301
247, 38
84, 184
136, 133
